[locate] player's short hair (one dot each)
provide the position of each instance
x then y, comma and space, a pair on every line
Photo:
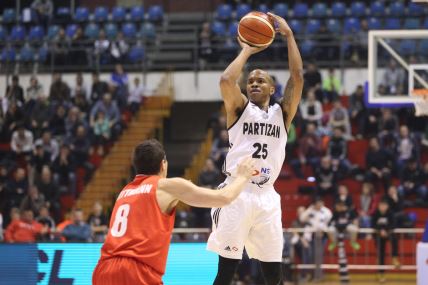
148, 156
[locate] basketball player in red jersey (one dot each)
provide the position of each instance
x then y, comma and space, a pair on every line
136, 247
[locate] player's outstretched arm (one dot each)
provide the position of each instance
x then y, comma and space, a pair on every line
294, 87
234, 100
183, 190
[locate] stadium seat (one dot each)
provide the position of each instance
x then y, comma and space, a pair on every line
36, 34
319, 10
407, 47
233, 29
281, 9
129, 30
300, 10
91, 31
218, 29
306, 48
110, 30
26, 54
42, 54
3, 34
136, 54
118, 14
242, 10
411, 23
423, 47
351, 25
392, 24
377, 9
334, 26
263, 8
63, 13
148, 31
425, 24
81, 14
101, 14
224, 12
8, 54
313, 26
71, 30
396, 9
9, 16
53, 31
415, 9
296, 26
374, 23
137, 13
155, 13
358, 9
17, 34
338, 9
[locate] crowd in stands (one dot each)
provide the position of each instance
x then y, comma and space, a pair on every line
49, 137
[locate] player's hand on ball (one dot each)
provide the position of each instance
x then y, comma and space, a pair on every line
246, 167
282, 26
250, 49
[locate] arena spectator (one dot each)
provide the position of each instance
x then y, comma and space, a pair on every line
78, 45
22, 142
396, 205
78, 230
59, 91
81, 103
15, 92
210, 176
302, 240
50, 189
384, 225
111, 112
393, 78
16, 188
205, 45
50, 145
344, 220
406, 148
119, 49
47, 221
60, 47
25, 229
33, 201
331, 86
220, 148
325, 177
64, 168
98, 222
57, 121
309, 150
388, 122
136, 93
366, 207
412, 181
80, 88
43, 11
339, 118
80, 145
75, 118
378, 164
338, 151
317, 216
39, 159
313, 79
311, 109
101, 48
40, 115
101, 129
344, 196
119, 80
13, 116
99, 88
357, 109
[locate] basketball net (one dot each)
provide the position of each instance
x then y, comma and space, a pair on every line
421, 102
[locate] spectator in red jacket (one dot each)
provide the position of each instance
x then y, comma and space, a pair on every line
366, 204
24, 229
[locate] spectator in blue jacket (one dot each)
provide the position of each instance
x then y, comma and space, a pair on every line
79, 230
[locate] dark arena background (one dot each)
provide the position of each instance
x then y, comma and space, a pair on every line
82, 82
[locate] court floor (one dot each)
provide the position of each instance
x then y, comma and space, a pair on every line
365, 279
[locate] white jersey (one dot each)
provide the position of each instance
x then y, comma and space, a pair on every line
261, 135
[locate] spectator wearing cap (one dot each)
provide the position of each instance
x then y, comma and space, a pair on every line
78, 230
64, 168
49, 144
25, 229
22, 142
15, 92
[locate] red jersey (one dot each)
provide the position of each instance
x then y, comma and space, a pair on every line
20, 231
138, 227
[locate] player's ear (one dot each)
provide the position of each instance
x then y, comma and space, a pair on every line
272, 91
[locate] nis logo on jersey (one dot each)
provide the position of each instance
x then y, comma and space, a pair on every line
261, 129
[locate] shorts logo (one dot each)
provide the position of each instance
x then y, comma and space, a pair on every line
234, 248
227, 248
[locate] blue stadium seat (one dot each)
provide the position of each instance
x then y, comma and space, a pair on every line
415, 9
377, 9
148, 31
351, 25
3, 34
118, 14
136, 54
425, 24
137, 13
396, 9
26, 54
36, 34
53, 31
423, 47
63, 12
224, 12
218, 29
313, 26
411, 23
42, 54
296, 26
334, 26
71, 30
9, 16
358, 9
263, 8
129, 30
8, 54
319, 10
155, 13
81, 14
110, 30
17, 34
300, 10
233, 29
101, 14
91, 31
392, 24
374, 23
242, 10
338, 9
407, 47
281, 9
307, 48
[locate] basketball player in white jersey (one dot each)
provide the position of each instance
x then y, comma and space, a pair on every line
259, 129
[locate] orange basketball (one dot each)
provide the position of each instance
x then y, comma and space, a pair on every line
256, 29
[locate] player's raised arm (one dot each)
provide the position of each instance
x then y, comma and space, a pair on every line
183, 190
234, 100
294, 87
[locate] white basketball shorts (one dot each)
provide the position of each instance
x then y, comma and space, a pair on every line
253, 221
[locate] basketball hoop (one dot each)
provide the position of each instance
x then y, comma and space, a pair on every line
420, 102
